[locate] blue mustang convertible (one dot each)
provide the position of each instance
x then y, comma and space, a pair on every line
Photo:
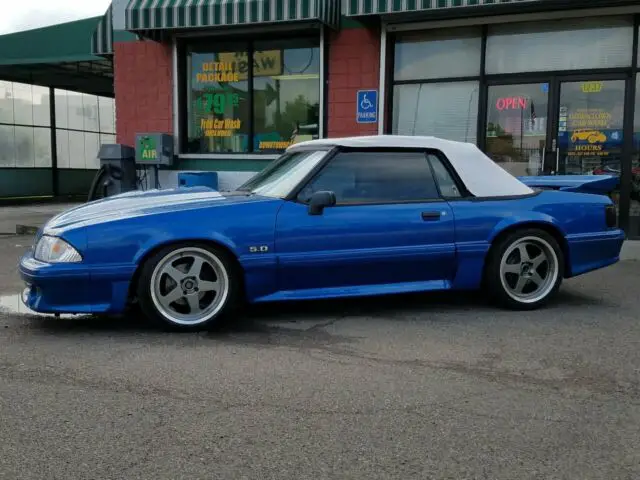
330, 218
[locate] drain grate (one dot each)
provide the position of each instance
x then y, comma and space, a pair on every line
26, 230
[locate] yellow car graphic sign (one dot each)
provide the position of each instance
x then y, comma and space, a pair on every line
591, 136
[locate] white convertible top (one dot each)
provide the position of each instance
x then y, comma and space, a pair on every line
482, 176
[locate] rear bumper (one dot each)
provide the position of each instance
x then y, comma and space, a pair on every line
592, 251
74, 288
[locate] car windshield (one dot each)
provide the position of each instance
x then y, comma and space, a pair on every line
284, 174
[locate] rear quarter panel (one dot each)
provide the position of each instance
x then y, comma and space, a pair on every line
576, 217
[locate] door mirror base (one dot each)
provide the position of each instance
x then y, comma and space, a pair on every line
320, 200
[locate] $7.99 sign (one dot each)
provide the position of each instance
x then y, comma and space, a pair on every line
218, 102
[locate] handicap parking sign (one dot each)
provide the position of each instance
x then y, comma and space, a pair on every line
367, 106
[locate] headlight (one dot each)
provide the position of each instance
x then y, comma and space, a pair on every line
55, 250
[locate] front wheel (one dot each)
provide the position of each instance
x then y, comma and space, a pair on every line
525, 269
188, 287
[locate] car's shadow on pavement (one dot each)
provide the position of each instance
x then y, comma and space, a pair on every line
268, 317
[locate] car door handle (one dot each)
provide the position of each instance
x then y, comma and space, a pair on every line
430, 216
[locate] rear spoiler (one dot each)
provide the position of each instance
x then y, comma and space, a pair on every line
600, 184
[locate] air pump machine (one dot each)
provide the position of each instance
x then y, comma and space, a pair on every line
123, 168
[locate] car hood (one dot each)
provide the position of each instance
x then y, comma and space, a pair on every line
150, 202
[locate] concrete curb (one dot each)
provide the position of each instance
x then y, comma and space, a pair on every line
630, 250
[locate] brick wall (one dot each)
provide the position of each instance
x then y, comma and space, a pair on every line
354, 64
143, 89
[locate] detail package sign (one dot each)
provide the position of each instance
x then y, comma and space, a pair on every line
217, 103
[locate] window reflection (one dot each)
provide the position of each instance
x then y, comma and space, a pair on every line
7, 146
24, 147
106, 110
25, 127
84, 122
218, 102
42, 147
446, 110
517, 127
106, 138
90, 113
62, 109
6, 102
634, 214
91, 147
437, 54
41, 106
76, 150
286, 94
22, 104
559, 45
62, 146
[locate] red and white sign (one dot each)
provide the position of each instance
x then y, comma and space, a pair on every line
512, 103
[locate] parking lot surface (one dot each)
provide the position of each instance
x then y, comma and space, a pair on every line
424, 386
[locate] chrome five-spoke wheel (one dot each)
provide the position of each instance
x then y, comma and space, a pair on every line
186, 286
525, 268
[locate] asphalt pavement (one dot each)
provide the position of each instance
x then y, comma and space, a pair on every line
414, 387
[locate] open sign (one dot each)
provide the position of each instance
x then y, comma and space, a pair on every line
511, 103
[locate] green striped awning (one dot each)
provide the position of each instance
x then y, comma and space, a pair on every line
102, 38
145, 15
377, 7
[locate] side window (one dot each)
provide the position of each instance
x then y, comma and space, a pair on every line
447, 184
375, 177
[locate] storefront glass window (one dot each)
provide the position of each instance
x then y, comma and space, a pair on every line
445, 110
590, 127
218, 99
634, 214
83, 122
7, 146
24, 147
6, 102
25, 118
437, 54
285, 95
570, 44
517, 126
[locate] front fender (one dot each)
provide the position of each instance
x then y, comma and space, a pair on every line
167, 238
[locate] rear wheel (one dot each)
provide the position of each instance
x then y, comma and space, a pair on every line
525, 269
188, 287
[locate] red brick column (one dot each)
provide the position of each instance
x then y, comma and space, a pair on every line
354, 64
143, 89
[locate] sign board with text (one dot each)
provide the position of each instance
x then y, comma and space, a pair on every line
367, 106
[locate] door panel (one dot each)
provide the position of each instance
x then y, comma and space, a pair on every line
364, 245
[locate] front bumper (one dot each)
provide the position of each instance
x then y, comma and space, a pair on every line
592, 251
74, 288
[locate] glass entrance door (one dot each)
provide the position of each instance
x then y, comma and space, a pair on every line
517, 127
588, 128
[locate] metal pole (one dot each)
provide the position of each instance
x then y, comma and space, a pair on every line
55, 183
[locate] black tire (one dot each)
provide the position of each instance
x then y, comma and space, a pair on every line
493, 279
144, 288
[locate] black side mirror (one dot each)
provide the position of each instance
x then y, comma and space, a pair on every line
319, 201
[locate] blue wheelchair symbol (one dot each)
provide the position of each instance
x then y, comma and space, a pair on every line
367, 106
